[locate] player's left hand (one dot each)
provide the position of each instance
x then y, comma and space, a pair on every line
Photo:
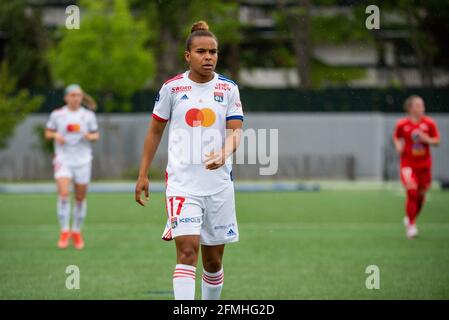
424, 137
214, 160
91, 136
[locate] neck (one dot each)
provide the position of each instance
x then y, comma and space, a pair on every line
196, 77
73, 108
415, 118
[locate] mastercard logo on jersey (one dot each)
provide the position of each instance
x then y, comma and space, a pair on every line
73, 127
200, 117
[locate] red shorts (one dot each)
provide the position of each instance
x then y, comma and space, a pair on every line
413, 178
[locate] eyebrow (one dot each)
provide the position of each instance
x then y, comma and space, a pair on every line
204, 49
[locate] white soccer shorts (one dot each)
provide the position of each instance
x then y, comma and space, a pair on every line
79, 174
212, 217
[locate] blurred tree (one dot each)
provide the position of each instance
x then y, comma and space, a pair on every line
223, 17
24, 41
427, 33
14, 105
297, 18
305, 31
106, 55
169, 24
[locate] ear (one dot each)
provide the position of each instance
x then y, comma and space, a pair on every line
187, 56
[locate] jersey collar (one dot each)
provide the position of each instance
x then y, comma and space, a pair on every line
203, 84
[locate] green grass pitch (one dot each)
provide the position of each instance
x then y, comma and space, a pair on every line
292, 246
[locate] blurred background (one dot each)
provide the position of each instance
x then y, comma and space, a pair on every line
309, 68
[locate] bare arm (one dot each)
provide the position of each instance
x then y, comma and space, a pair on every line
433, 141
54, 135
152, 140
232, 142
398, 144
92, 136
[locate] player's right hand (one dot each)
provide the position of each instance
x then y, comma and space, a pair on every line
399, 146
142, 184
59, 138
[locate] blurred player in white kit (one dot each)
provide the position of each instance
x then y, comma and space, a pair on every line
72, 127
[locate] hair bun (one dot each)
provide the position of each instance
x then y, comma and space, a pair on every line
199, 25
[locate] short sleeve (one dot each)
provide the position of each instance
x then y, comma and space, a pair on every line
397, 131
162, 105
433, 130
51, 123
235, 111
92, 125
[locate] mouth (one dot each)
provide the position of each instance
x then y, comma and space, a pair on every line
207, 67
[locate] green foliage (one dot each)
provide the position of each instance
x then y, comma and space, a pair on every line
323, 74
14, 105
333, 29
45, 145
222, 17
106, 54
344, 29
26, 42
169, 22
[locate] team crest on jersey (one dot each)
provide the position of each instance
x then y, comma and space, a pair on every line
218, 96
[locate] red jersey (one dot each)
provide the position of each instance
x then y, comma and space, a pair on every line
416, 154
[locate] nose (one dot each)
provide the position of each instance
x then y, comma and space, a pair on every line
208, 56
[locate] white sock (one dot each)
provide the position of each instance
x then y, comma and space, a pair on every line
184, 282
79, 214
63, 210
211, 284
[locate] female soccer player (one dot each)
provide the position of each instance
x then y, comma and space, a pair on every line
72, 127
412, 138
205, 115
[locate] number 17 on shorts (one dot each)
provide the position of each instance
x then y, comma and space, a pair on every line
212, 217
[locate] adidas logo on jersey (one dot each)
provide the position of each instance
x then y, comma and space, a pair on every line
231, 233
184, 97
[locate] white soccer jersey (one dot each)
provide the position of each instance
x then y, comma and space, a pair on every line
73, 125
198, 113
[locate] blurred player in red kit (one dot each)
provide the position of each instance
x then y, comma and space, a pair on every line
412, 138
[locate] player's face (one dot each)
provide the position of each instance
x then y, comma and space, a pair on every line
203, 55
417, 107
74, 98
